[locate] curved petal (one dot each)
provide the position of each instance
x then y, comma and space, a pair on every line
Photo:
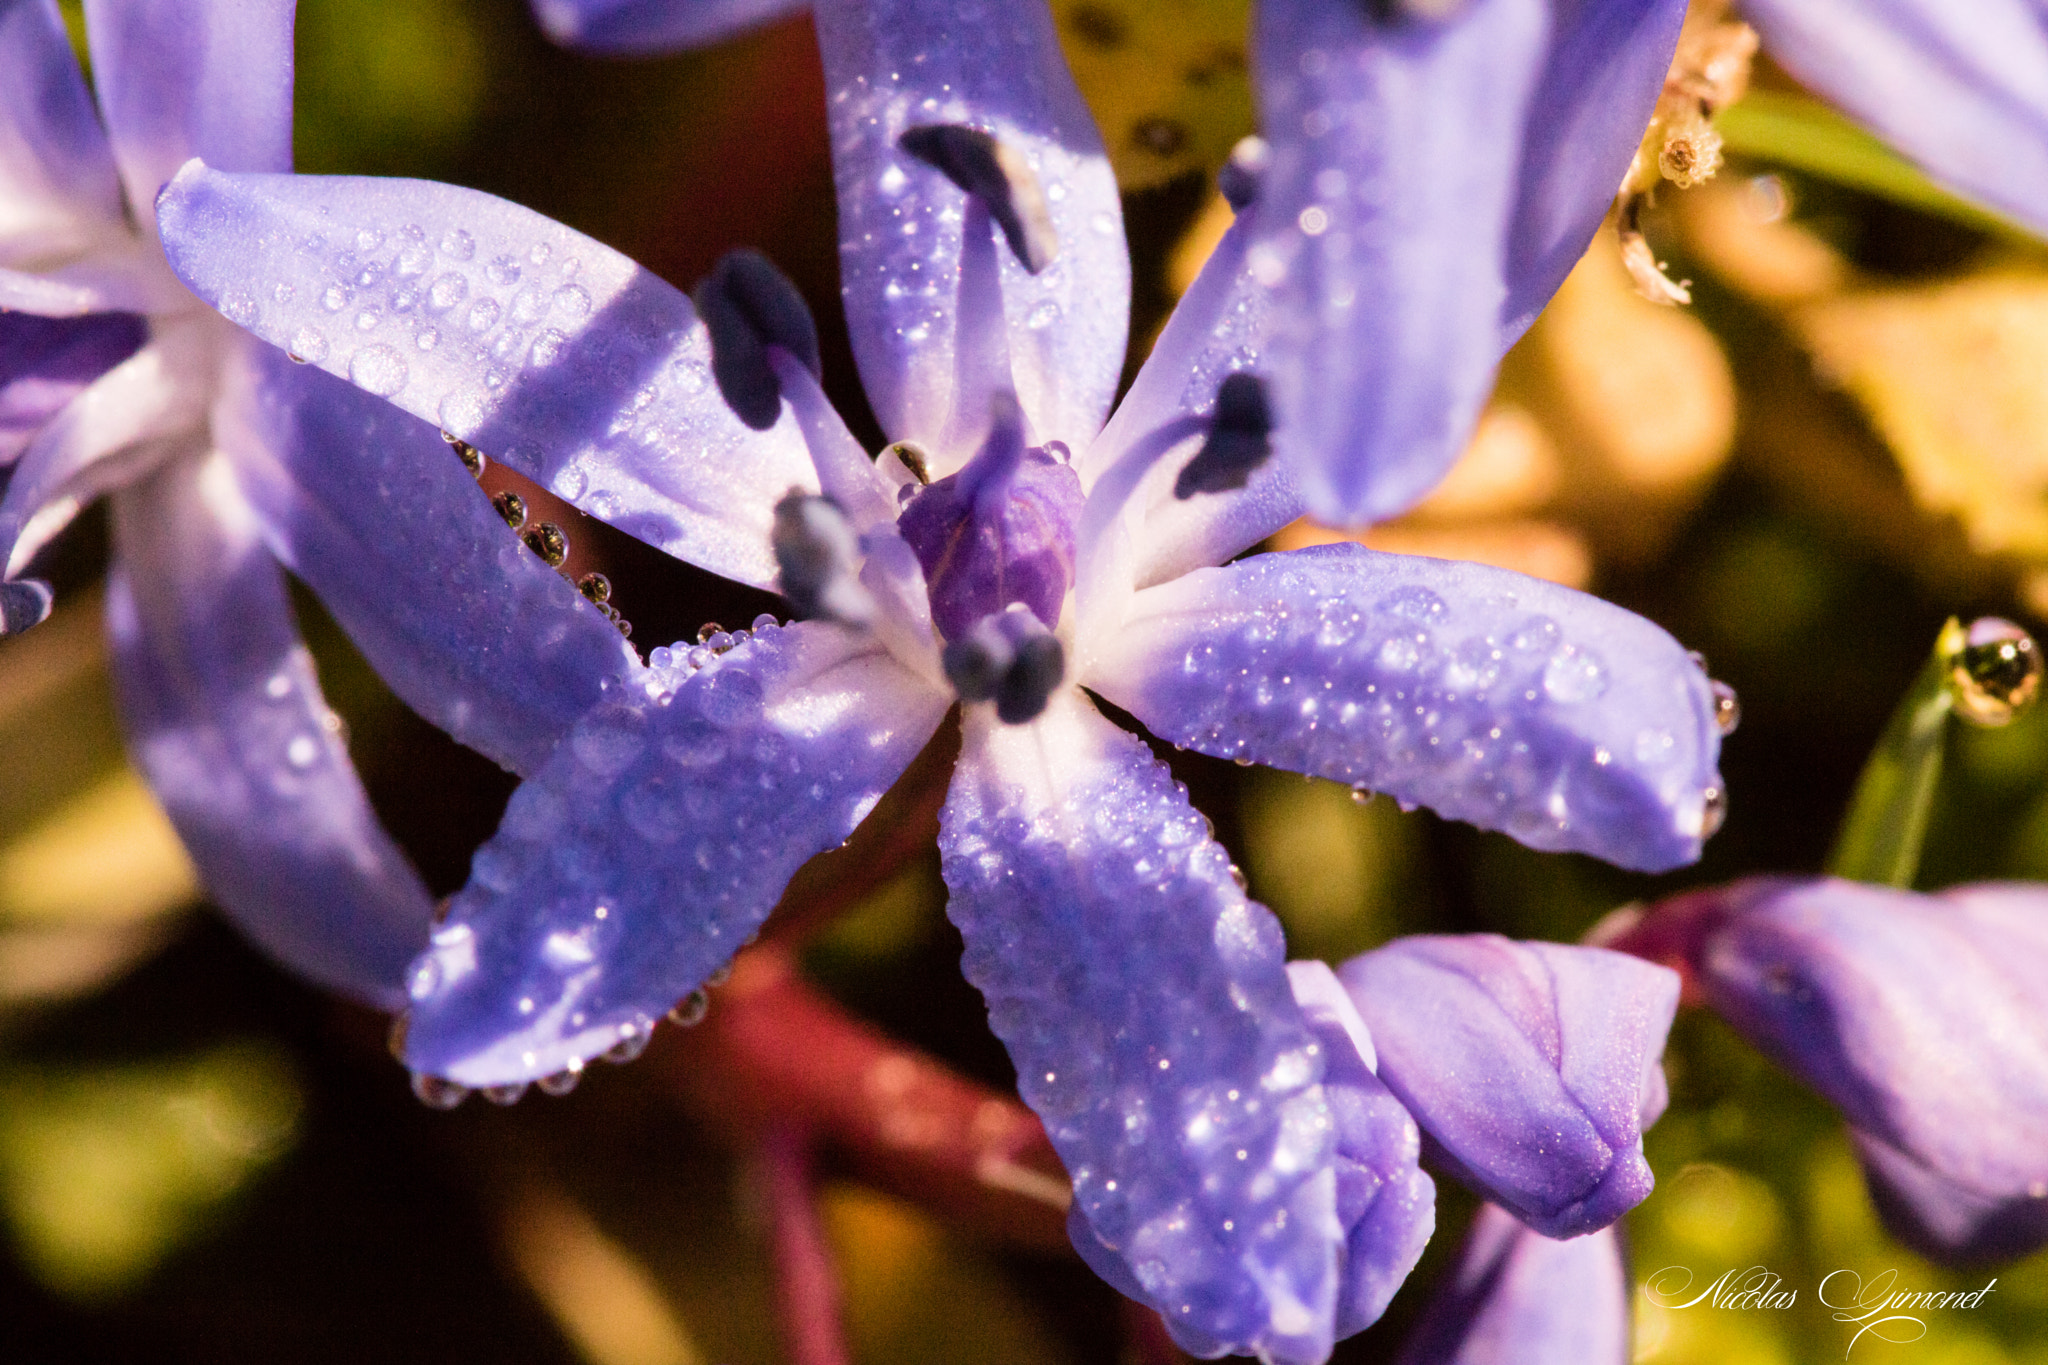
539, 346
57, 179
46, 362
1529, 1065
1385, 1202
1146, 1005
1962, 89
225, 717
184, 78
121, 424
1519, 1298
372, 509
1220, 326
1607, 63
116, 280
897, 64
650, 26
1382, 230
654, 842
1488, 696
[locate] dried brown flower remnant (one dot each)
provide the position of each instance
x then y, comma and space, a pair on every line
1709, 71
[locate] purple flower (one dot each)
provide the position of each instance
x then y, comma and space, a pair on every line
1533, 1068
1519, 1298
222, 459
1962, 89
1924, 1019
1009, 549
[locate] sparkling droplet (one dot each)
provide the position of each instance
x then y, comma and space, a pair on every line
549, 542
1713, 811
482, 315
472, 459
1997, 674
691, 1011
511, 507
378, 369
562, 1082
458, 245
720, 976
504, 1094
447, 291
595, 587
1574, 675
436, 1093
308, 346
503, 270
707, 630
302, 751
630, 1046
1727, 707
336, 297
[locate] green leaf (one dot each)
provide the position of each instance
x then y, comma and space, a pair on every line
1882, 834
1806, 135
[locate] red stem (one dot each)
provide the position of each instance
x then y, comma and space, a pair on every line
806, 1277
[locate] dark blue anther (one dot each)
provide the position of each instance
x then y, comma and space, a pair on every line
999, 178
748, 305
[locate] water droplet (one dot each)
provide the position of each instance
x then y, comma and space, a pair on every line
573, 300
511, 507
447, 291
436, 1093
302, 752
561, 1083
630, 1046
1727, 707
549, 542
1043, 316
367, 320
707, 630
458, 245
472, 459
729, 697
427, 338
237, 307
308, 346
504, 1094
482, 315
1713, 811
1655, 746
690, 1011
1537, 635
1361, 795
721, 975
595, 587
547, 347
378, 369
284, 291
336, 297
1574, 675
368, 240
414, 260
1997, 674
503, 270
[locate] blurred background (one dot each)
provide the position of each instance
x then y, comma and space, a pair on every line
1841, 441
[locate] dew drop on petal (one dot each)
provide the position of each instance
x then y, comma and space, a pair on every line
436, 1093
690, 1011
378, 369
458, 245
307, 346
1997, 674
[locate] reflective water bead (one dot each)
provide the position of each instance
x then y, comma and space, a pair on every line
1997, 673
561, 1083
1727, 707
630, 1046
707, 630
511, 507
504, 1094
690, 1010
472, 458
549, 542
436, 1093
595, 587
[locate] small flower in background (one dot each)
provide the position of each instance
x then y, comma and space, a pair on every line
1007, 547
224, 460
1918, 1016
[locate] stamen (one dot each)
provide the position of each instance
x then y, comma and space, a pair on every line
1244, 172
998, 177
748, 306
1240, 439
1010, 658
819, 555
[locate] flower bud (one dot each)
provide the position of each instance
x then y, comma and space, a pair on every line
1531, 1067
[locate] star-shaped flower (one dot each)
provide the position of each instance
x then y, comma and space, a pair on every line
1009, 550
223, 459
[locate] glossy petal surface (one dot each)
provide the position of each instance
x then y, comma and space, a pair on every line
373, 510
1519, 1298
1924, 1019
184, 78
57, 182
225, 717
541, 347
1382, 230
1146, 1005
1962, 89
1529, 1065
996, 65
1385, 1202
1601, 80
46, 362
1488, 696
651, 26
652, 845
